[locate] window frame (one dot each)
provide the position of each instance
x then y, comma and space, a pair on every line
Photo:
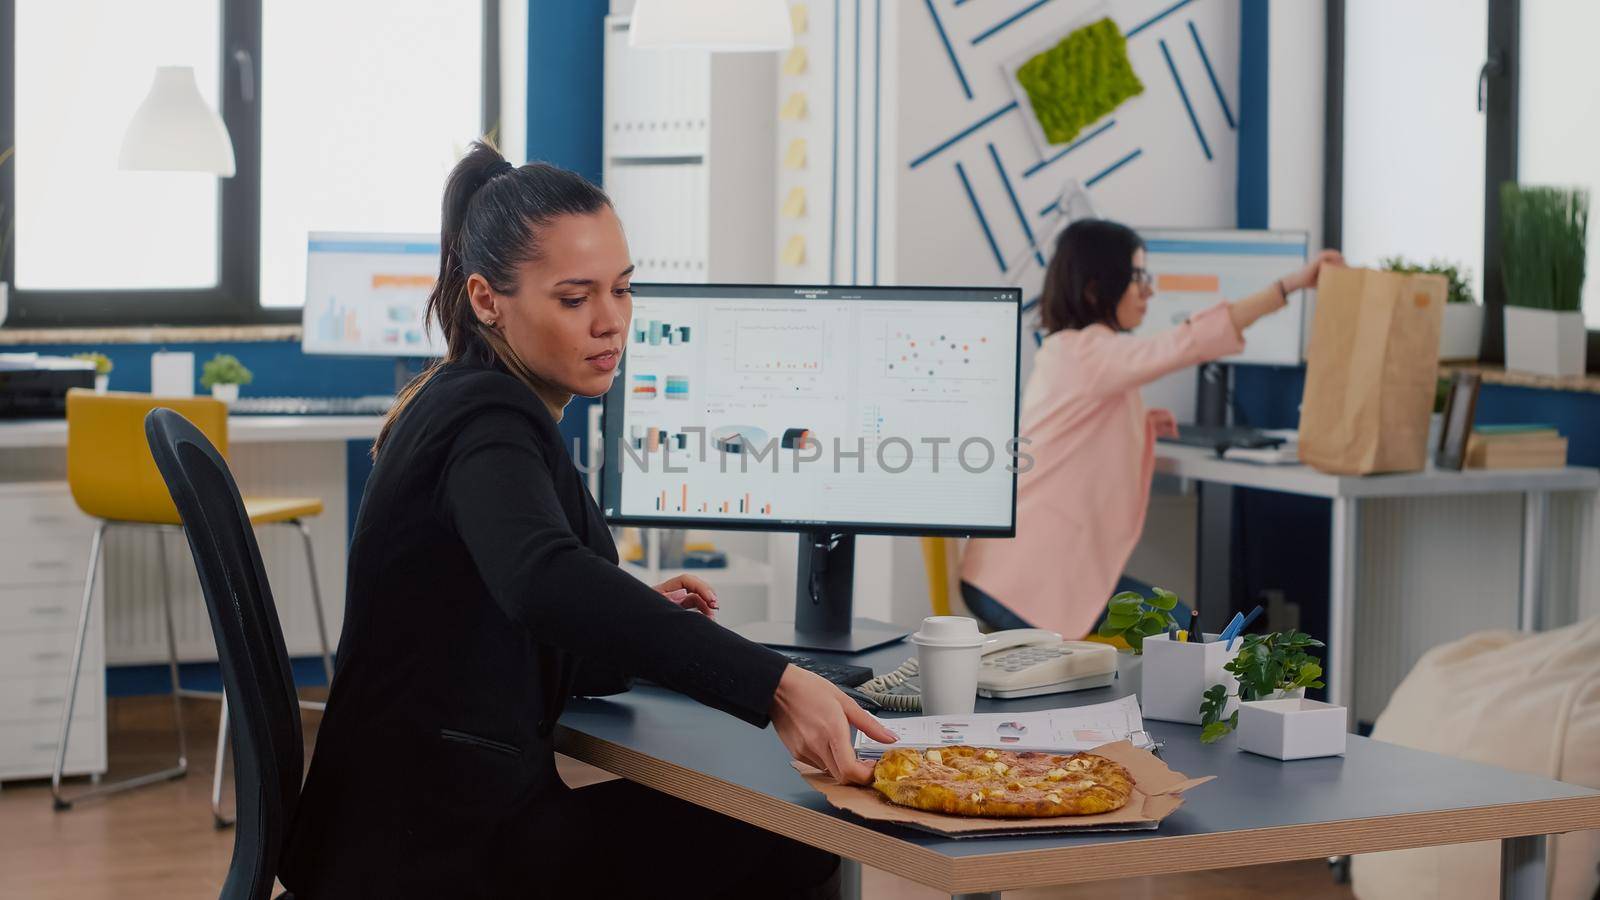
235, 299
1501, 87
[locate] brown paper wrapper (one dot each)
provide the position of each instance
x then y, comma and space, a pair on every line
1157, 793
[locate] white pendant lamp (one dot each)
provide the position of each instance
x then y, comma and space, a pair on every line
728, 26
174, 130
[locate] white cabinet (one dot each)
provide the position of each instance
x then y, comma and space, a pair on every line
44, 554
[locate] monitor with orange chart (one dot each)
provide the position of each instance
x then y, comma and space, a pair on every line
366, 293
1197, 268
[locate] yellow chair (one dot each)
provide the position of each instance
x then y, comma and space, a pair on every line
114, 478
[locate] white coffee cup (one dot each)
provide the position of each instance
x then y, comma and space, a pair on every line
948, 652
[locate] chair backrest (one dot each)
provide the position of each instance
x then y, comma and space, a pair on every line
268, 753
941, 561
108, 465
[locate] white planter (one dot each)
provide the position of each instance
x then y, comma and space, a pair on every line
1292, 729
101, 383
5, 301
1461, 335
1177, 673
227, 393
1544, 342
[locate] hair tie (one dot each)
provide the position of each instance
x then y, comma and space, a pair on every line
499, 168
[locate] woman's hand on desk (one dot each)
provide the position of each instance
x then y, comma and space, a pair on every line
813, 719
1164, 423
690, 592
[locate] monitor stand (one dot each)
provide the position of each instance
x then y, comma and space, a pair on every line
824, 589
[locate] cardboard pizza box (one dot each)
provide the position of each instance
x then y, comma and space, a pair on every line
1157, 793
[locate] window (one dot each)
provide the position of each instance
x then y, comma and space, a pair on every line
1559, 113
1415, 160
343, 116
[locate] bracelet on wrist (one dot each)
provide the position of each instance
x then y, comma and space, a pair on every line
1283, 291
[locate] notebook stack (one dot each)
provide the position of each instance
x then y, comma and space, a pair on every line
1516, 447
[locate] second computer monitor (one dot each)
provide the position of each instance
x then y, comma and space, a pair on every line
366, 294
873, 410
1197, 268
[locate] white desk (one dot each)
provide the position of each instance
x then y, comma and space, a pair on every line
43, 434
1347, 492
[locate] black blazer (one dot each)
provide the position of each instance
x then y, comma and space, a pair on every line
483, 590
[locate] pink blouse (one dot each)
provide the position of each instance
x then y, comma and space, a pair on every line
1081, 507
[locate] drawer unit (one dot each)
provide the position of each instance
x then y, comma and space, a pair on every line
28, 749
44, 554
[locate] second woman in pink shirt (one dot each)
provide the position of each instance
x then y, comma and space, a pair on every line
1081, 506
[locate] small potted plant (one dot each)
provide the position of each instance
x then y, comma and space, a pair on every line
1133, 618
1272, 672
5, 243
1543, 234
223, 374
1461, 335
102, 369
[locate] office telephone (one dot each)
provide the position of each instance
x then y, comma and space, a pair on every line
1023, 662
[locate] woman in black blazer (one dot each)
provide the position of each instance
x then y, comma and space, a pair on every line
484, 590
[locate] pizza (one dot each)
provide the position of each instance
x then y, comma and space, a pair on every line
972, 781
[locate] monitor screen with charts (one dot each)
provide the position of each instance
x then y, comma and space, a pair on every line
365, 294
871, 410
1194, 269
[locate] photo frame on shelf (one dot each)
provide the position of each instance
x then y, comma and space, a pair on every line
1460, 408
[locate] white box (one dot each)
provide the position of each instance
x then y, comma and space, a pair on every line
1545, 342
1292, 729
1461, 335
172, 374
1177, 674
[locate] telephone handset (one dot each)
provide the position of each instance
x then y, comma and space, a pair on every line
1022, 662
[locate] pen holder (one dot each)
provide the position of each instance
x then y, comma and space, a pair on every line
1177, 673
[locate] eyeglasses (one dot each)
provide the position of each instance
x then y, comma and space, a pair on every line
1143, 277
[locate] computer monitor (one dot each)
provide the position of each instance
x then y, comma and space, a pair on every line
366, 293
1195, 268
829, 411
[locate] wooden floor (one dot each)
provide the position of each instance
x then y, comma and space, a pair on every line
158, 842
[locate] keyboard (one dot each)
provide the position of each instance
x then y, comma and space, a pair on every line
374, 405
1223, 437
841, 674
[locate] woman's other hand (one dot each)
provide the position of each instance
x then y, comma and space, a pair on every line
1307, 277
1164, 423
690, 592
813, 719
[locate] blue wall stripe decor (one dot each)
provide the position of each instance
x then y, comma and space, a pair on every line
1189, 107
1211, 73
1007, 22
1022, 217
958, 136
1157, 17
1040, 166
944, 39
977, 210
1100, 176
566, 46
1254, 143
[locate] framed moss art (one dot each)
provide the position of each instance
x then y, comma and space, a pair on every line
1072, 81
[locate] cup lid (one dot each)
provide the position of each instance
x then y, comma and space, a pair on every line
948, 631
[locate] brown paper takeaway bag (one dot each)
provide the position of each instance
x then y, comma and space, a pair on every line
1371, 371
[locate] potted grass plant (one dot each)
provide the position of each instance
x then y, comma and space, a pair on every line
5, 243
1461, 335
1543, 235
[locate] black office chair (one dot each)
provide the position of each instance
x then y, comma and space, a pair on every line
269, 751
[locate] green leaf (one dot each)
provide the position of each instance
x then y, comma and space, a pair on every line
1126, 602
1214, 732
1121, 620
1164, 599
1152, 623
1110, 629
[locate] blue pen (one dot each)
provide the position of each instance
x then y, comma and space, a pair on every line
1232, 631
1254, 614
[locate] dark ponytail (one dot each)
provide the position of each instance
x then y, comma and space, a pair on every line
493, 214
1090, 271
